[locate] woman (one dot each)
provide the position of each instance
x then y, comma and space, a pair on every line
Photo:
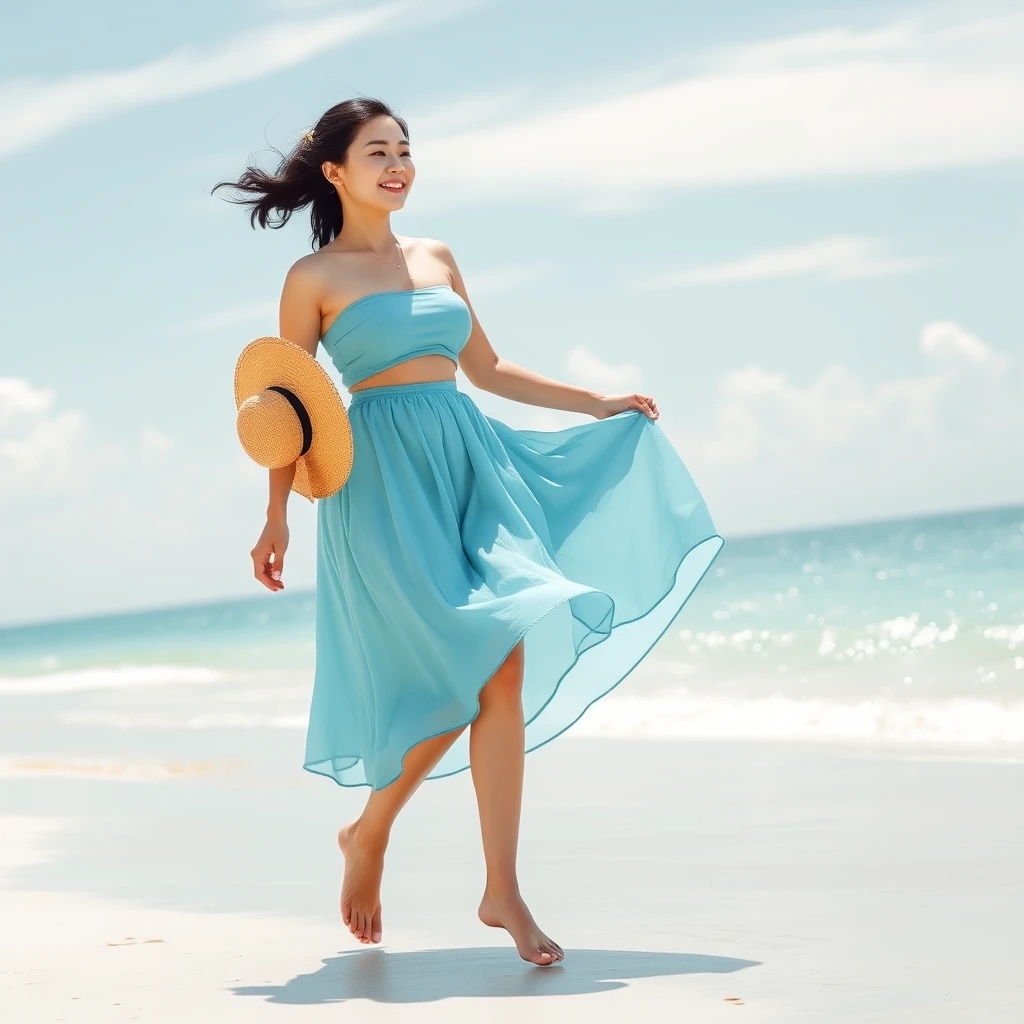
477, 586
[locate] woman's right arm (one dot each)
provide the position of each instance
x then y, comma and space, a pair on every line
299, 323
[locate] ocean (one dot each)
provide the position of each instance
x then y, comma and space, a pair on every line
906, 635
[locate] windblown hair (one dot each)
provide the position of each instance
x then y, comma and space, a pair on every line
299, 180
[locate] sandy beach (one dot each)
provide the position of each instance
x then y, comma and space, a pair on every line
782, 785
737, 881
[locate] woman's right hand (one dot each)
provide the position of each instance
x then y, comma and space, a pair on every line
268, 555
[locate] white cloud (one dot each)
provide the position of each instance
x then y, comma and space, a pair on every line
39, 450
154, 444
948, 341
839, 257
588, 370
909, 97
156, 524
775, 453
45, 450
46, 444
763, 415
19, 398
913, 95
35, 110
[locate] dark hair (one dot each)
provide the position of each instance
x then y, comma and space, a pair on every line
299, 181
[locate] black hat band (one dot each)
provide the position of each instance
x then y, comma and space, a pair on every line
300, 411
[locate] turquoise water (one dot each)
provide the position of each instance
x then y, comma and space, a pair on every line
908, 631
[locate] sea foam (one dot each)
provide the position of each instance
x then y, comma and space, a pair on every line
110, 677
682, 715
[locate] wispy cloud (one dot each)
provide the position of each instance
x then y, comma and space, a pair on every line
32, 110
233, 316
908, 97
835, 258
950, 343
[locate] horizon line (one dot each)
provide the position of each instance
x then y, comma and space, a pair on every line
197, 605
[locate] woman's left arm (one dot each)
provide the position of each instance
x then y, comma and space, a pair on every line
485, 369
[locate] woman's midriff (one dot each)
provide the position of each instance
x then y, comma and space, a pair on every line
411, 371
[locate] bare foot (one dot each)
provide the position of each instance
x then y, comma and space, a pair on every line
360, 890
511, 913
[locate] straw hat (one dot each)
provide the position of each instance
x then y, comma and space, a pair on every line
290, 411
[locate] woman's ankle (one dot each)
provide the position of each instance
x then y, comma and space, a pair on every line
370, 835
502, 889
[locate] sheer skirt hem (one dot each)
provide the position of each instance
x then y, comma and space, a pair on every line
701, 555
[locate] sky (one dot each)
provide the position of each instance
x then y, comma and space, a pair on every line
797, 225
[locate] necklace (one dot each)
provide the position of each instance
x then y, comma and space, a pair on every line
394, 266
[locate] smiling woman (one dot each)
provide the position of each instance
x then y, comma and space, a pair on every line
478, 587
303, 179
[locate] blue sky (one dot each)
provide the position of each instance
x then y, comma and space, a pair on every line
797, 225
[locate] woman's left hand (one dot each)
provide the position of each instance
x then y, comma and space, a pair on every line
609, 405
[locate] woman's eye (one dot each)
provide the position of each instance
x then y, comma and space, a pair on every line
381, 153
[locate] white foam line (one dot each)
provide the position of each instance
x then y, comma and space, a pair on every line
110, 677
682, 716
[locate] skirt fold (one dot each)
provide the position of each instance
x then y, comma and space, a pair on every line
456, 536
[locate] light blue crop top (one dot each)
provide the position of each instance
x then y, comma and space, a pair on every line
383, 329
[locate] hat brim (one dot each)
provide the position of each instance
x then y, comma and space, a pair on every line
270, 361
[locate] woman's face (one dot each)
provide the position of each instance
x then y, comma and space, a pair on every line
379, 160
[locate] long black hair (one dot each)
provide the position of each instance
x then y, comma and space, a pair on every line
299, 181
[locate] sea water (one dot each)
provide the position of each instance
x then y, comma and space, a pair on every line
905, 634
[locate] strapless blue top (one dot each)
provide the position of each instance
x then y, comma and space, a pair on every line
383, 329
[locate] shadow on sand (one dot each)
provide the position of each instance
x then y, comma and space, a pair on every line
425, 976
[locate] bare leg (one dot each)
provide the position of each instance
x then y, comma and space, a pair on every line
497, 746
365, 840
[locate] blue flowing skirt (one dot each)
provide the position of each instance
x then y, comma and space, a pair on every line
455, 537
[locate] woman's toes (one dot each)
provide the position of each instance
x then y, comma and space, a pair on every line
376, 929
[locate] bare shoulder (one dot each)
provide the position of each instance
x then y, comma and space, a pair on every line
432, 245
309, 269
310, 278
440, 253
304, 275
